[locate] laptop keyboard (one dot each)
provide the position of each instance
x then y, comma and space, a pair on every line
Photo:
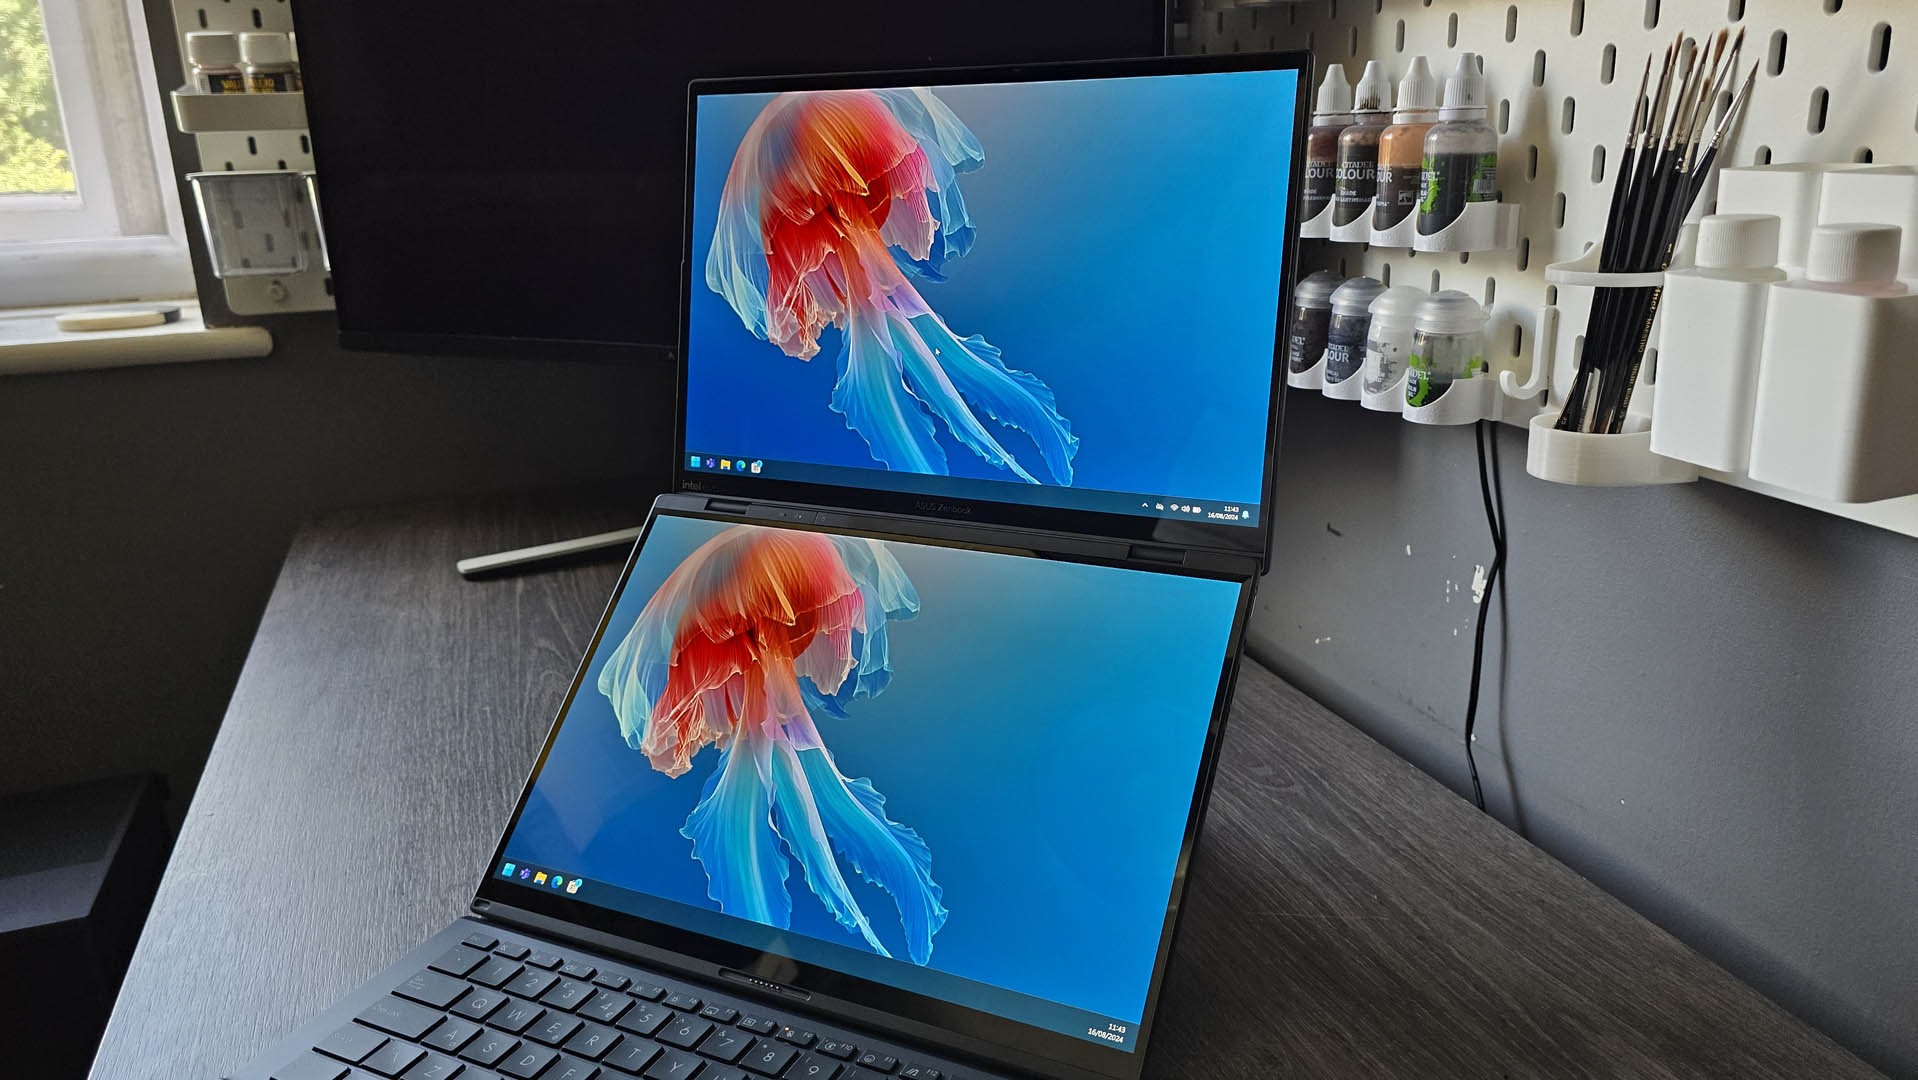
488, 1009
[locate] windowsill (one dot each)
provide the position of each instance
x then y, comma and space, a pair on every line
30, 342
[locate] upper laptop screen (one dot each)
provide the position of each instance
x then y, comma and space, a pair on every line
962, 774
1058, 294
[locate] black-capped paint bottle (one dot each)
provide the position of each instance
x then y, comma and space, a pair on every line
1461, 152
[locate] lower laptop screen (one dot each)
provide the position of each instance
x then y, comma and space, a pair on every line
960, 773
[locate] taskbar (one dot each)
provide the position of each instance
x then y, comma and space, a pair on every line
915, 978
1132, 504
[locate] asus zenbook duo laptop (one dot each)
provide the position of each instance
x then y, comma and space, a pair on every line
890, 752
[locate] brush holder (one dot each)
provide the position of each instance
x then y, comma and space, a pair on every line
1483, 226
1589, 460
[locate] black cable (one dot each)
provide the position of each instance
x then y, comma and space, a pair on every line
1494, 521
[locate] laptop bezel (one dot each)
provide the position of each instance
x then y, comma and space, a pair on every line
1255, 540
941, 1026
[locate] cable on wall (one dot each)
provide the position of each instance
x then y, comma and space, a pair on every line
1495, 522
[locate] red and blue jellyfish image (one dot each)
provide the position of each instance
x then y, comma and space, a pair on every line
835, 202
752, 637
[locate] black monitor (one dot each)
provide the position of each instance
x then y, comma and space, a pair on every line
500, 177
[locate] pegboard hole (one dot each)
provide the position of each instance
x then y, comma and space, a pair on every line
1435, 281
1833, 7
1385, 275
1524, 252
306, 145
1355, 40
1608, 64
1558, 210
1551, 294
1820, 110
1531, 162
1880, 47
1504, 115
1775, 59
1862, 156
1735, 11
203, 18
257, 21
1464, 257
1518, 340
1538, 68
229, 166
1451, 31
1567, 116
1491, 290
1578, 18
252, 147
1762, 155
282, 166
1399, 40
1342, 272
328, 286
1651, 14
1598, 164
1333, 13
1511, 23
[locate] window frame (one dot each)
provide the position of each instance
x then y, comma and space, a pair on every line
122, 234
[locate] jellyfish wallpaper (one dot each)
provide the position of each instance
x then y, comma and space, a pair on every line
962, 773
1030, 292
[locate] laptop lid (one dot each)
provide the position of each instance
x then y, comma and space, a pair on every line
1046, 296
944, 789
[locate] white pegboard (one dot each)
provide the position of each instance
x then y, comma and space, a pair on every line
243, 150
1837, 82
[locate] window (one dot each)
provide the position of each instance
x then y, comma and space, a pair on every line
87, 206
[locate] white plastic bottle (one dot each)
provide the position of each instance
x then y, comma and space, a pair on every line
1837, 389
1712, 320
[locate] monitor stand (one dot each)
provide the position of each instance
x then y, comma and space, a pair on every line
480, 565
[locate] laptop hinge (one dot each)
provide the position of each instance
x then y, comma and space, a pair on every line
1165, 556
727, 506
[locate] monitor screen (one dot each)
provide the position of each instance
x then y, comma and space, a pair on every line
494, 172
907, 763
1060, 294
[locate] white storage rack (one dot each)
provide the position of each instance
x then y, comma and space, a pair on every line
219, 129
1837, 82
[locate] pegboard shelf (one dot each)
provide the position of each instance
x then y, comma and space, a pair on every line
196, 113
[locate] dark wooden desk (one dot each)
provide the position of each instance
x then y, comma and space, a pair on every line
1349, 916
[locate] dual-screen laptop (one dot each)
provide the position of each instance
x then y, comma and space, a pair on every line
890, 752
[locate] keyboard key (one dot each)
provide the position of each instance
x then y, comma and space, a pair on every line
512, 951
452, 1034
814, 1067
644, 1018
483, 942
770, 1059
350, 1043
527, 1061
495, 971
310, 1066
398, 1016
553, 1029
685, 1031
392, 1059
531, 983
725, 1044
489, 1048
854, 1072
631, 1054
480, 1004
515, 1015
719, 1014
721, 1072
648, 992
577, 970
878, 1062
797, 1037
840, 1050
919, 1072
543, 960
568, 994
592, 1041
612, 980
458, 961
684, 1002
672, 1065
758, 1025
571, 1068
434, 1067
606, 1007
431, 988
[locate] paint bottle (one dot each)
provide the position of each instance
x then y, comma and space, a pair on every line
1345, 336
1461, 152
1356, 182
1388, 337
213, 61
1332, 117
1402, 146
1448, 345
267, 59
1311, 321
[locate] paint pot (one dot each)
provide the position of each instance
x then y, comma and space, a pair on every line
1388, 337
1311, 322
1345, 336
1448, 345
